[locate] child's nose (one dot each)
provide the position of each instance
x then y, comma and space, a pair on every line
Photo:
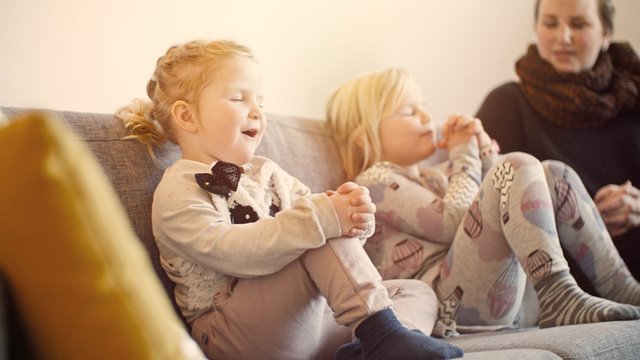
256, 113
424, 117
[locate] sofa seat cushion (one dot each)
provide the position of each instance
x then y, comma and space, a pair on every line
83, 285
607, 340
512, 354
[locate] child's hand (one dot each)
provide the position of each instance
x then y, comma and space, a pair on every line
354, 208
484, 139
460, 129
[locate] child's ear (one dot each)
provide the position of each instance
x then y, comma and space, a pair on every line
183, 116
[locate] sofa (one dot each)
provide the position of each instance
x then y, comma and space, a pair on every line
303, 148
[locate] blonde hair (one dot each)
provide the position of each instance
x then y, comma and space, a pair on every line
354, 112
180, 74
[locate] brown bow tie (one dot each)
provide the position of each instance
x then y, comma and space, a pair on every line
222, 180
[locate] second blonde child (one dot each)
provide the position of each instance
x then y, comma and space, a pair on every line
477, 226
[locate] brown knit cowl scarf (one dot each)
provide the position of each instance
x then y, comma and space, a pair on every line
587, 99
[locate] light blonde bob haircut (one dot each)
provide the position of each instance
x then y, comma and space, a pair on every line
180, 74
354, 112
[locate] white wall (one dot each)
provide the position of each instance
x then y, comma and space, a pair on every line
90, 55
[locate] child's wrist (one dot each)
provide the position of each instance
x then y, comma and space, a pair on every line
489, 149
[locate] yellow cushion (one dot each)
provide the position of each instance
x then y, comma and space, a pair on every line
83, 284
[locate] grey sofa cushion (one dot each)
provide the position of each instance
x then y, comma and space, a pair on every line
519, 354
608, 340
305, 149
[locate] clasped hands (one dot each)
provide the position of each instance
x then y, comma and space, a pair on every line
461, 129
619, 206
354, 208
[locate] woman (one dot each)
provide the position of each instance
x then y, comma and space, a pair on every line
578, 102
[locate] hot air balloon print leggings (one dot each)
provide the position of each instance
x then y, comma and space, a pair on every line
512, 231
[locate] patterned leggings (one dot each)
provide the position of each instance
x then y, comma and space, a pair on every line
512, 231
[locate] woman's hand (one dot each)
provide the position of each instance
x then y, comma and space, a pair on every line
619, 206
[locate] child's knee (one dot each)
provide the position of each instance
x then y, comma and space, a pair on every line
520, 159
554, 165
504, 169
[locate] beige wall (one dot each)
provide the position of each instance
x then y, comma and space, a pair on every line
90, 55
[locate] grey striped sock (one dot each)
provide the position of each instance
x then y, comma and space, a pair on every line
562, 302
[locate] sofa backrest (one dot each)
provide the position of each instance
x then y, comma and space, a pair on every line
305, 149
302, 147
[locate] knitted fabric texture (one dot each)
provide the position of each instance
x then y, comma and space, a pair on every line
588, 99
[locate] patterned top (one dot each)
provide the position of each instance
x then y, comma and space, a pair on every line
417, 218
205, 238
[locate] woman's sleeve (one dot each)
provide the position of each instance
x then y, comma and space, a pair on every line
501, 117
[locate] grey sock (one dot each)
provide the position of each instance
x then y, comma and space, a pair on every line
562, 302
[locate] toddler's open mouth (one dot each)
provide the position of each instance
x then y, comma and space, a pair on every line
251, 132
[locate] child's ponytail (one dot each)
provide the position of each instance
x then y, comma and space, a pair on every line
139, 121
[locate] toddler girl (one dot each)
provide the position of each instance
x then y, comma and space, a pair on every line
478, 225
263, 268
